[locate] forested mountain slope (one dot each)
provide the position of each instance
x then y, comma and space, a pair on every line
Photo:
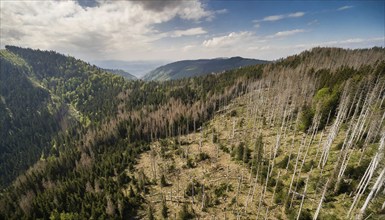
191, 68
29, 117
277, 140
43, 94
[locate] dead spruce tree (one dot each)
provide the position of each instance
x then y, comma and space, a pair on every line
365, 180
356, 127
374, 192
303, 197
341, 115
321, 201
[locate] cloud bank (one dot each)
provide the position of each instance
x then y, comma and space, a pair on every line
96, 29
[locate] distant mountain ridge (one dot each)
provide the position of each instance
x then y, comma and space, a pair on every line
138, 68
123, 73
191, 68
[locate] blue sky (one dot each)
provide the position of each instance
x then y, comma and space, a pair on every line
173, 30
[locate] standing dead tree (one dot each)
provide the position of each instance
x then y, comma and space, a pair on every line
292, 141
356, 128
343, 108
278, 140
321, 137
375, 190
295, 167
321, 201
365, 180
303, 198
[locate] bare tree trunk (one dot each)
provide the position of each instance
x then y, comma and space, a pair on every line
303, 198
295, 168
320, 202
255, 185
261, 198
375, 189
278, 141
292, 142
203, 197
368, 174
267, 211
238, 189
322, 134
343, 108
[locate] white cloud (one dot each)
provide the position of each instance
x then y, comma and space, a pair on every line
193, 10
282, 16
113, 29
245, 43
287, 33
228, 40
345, 7
188, 47
296, 14
188, 32
273, 18
221, 11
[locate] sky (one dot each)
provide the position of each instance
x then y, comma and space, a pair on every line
153, 30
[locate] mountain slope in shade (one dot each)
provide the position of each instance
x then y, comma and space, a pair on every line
191, 68
29, 117
43, 93
123, 73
